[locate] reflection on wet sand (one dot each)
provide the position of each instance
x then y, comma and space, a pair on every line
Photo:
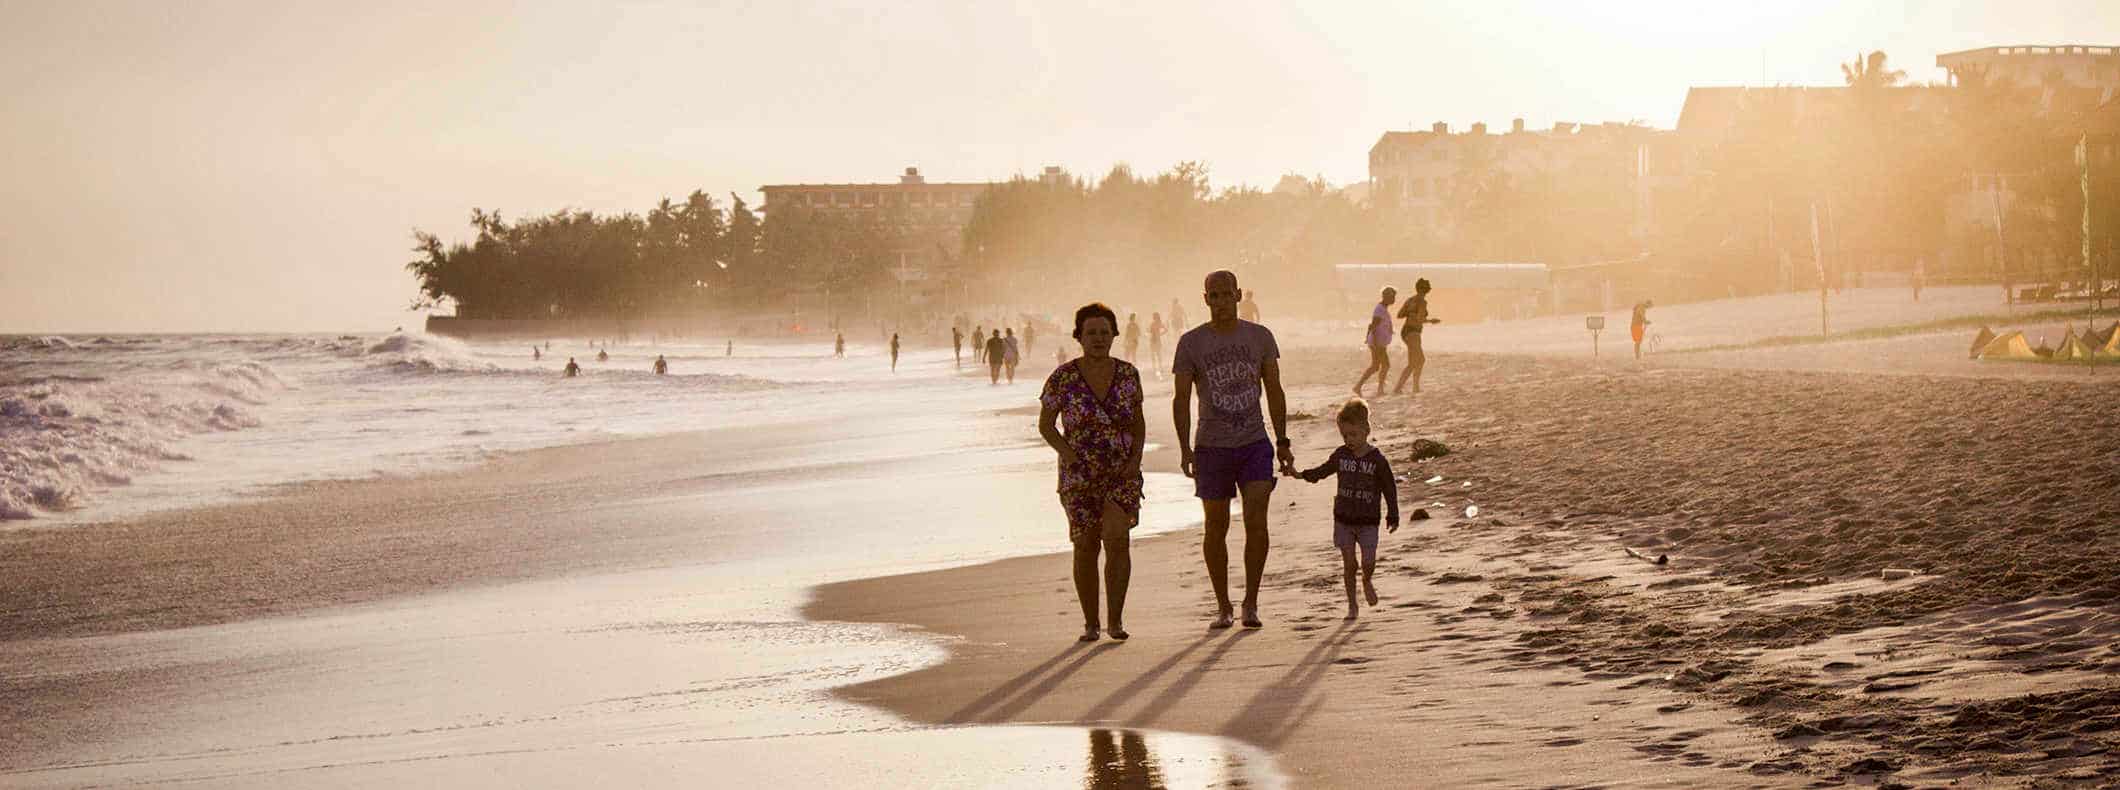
1122, 760
1121, 766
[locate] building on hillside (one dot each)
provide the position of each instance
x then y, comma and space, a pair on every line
933, 215
1420, 172
1463, 292
2081, 65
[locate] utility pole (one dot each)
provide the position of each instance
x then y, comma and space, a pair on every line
2002, 249
1818, 255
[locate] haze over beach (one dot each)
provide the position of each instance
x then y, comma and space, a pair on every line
1634, 395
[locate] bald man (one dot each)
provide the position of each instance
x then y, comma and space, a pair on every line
1232, 361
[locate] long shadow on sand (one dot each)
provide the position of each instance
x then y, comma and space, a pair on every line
1030, 696
1126, 693
1002, 692
1177, 689
1279, 708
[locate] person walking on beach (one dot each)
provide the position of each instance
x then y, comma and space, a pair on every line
1177, 318
730, 351
1378, 340
1233, 361
957, 344
1365, 477
1030, 330
1416, 315
1096, 402
995, 349
1639, 325
894, 352
536, 354
1133, 336
1011, 353
1156, 330
571, 370
1249, 309
979, 344
662, 366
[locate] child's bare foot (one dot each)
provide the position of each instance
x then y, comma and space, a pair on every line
1353, 611
1369, 591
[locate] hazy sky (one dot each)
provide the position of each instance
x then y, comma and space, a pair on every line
252, 166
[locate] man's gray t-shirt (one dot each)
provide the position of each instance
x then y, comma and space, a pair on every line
1226, 369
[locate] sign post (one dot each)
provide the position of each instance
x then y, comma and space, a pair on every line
1596, 324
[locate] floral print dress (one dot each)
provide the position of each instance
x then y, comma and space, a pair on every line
1101, 432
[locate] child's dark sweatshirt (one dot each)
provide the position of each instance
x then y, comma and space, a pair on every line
1363, 478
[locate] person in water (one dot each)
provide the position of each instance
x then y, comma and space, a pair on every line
730, 351
572, 369
894, 352
839, 345
662, 367
536, 354
601, 356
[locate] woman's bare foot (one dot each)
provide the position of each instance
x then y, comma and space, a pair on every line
1369, 591
1251, 617
1221, 620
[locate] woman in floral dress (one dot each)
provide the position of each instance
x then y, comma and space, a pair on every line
1091, 414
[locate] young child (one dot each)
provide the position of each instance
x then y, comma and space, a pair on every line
1365, 477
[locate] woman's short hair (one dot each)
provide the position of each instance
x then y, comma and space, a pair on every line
1094, 310
1355, 411
1421, 284
1388, 291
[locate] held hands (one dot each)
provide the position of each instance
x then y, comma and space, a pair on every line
1391, 527
1288, 459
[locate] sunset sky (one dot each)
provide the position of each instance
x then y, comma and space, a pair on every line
215, 166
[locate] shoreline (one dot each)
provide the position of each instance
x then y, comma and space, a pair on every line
1523, 647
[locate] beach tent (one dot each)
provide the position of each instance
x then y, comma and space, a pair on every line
1982, 340
2111, 346
2072, 350
2009, 346
2098, 339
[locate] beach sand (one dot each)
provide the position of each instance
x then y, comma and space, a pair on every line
1525, 647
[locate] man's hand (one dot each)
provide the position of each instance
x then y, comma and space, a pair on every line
1392, 527
1288, 459
1185, 461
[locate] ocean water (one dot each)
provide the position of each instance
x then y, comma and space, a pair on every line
100, 427
699, 674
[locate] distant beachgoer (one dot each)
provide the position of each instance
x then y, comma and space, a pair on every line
1377, 338
1060, 354
1177, 318
1156, 330
894, 352
1639, 326
1030, 330
536, 354
729, 351
601, 356
1011, 354
995, 350
548, 345
1416, 314
1921, 275
957, 344
1100, 462
662, 366
1249, 308
1133, 336
979, 344
572, 369
1233, 362
1365, 476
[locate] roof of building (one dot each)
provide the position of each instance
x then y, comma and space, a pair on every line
2031, 49
920, 185
1473, 275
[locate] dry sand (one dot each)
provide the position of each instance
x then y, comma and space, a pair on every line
1525, 648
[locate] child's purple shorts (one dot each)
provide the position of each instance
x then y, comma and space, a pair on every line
1217, 471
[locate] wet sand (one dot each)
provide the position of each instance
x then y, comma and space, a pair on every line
1524, 647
